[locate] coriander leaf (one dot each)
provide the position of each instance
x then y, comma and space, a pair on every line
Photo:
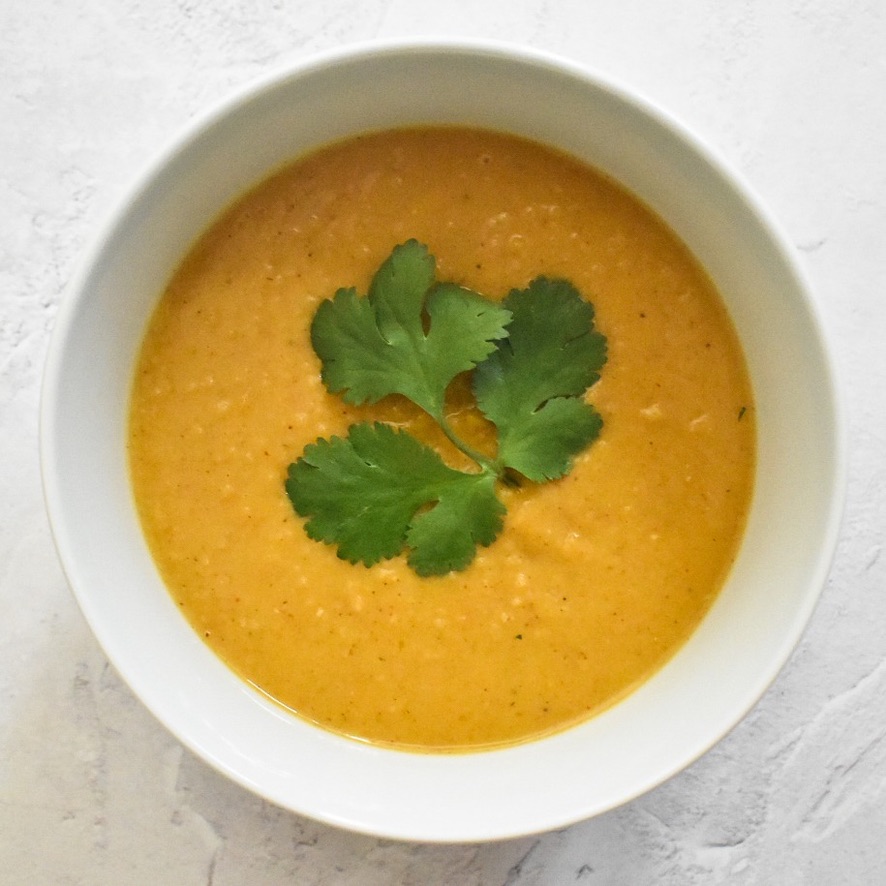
407, 336
532, 387
543, 448
445, 538
380, 489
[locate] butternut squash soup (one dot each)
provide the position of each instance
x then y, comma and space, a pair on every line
595, 579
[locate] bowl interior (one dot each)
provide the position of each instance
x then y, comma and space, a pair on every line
657, 730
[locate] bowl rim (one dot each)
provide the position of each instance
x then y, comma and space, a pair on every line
524, 57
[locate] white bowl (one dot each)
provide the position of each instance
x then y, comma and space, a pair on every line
660, 728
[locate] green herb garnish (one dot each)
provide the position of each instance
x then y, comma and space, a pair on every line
380, 490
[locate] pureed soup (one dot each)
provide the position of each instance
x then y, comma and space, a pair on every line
595, 579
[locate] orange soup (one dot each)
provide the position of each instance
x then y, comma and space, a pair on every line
595, 580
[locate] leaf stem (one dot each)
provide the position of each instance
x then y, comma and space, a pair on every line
475, 455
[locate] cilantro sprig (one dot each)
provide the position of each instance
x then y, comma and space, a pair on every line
379, 489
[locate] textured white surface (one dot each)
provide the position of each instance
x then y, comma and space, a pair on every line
94, 791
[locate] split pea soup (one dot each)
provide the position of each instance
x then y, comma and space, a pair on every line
595, 579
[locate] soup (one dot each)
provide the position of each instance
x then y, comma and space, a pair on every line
595, 580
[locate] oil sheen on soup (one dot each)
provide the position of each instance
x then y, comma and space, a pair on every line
595, 580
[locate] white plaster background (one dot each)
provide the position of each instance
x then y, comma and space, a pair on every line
93, 791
